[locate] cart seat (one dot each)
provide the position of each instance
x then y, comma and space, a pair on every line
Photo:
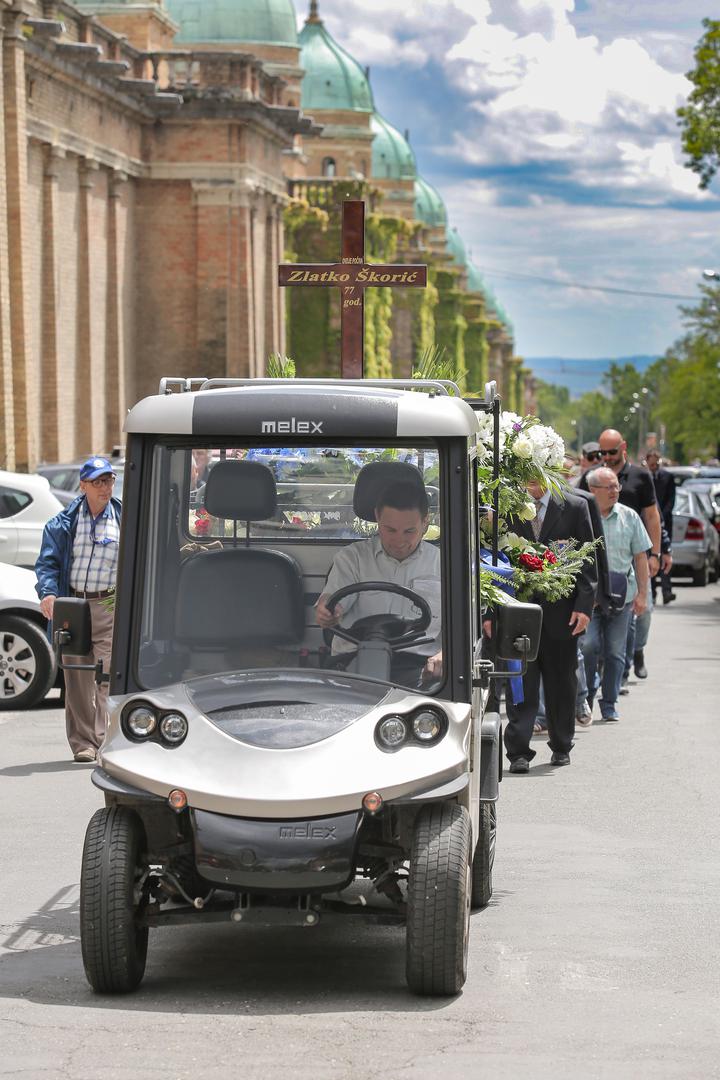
244, 594
376, 476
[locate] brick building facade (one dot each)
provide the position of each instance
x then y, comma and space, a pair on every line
141, 199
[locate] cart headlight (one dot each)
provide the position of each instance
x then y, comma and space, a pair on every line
173, 728
428, 726
141, 722
391, 732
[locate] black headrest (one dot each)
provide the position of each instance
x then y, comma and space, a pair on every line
375, 477
241, 491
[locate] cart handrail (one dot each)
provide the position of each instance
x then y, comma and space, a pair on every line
172, 385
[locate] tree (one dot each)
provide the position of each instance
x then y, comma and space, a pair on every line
700, 118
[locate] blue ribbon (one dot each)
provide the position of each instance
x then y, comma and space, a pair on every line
502, 574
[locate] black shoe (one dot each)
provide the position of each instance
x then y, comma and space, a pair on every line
520, 765
668, 597
559, 759
639, 665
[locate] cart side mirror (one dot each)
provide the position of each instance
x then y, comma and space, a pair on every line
72, 628
518, 631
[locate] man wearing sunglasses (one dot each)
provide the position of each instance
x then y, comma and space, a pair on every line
78, 557
590, 458
638, 492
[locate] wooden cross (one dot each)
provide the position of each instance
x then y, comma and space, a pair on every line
353, 275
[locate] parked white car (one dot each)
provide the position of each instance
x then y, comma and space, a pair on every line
27, 662
26, 505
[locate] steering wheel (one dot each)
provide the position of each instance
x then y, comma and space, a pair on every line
393, 629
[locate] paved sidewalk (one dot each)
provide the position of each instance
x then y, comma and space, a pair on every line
597, 958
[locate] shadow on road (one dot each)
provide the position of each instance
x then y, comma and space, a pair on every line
46, 767
219, 969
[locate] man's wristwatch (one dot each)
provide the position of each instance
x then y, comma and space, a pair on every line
654, 554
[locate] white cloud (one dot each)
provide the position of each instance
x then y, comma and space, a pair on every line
540, 88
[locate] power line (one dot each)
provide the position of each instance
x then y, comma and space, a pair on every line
589, 288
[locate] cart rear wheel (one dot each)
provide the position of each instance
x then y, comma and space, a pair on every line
484, 856
114, 947
438, 907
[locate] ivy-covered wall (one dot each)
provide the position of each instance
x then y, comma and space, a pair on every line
450, 322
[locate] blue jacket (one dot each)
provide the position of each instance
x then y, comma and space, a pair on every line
53, 563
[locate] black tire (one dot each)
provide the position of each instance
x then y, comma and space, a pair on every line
114, 947
701, 577
438, 903
25, 649
484, 856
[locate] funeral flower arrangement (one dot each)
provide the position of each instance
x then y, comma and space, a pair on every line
529, 452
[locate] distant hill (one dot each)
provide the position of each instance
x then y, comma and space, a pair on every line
580, 375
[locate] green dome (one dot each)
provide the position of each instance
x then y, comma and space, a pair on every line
215, 22
429, 207
456, 248
392, 157
476, 282
333, 79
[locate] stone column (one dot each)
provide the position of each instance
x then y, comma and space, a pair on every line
251, 290
83, 354
213, 248
7, 417
49, 419
272, 290
280, 247
16, 193
114, 382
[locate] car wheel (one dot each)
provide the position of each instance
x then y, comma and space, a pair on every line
715, 571
438, 901
702, 576
484, 856
27, 664
114, 945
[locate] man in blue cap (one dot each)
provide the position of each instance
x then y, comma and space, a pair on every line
78, 557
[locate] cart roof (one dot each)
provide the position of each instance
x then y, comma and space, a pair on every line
307, 409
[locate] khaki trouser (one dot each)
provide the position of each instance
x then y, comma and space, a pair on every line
85, 701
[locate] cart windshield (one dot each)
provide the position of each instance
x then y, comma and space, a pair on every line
245, 543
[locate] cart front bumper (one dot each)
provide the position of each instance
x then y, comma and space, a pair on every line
310, 855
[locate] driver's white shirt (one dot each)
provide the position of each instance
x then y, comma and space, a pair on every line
367, 560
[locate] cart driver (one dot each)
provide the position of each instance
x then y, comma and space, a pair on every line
397, 554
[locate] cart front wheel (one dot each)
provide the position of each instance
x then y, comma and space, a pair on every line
114, 946
438, 905
484, 856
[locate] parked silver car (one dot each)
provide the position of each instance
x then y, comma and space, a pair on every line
27, 663
712, 489
26, 505
696, 543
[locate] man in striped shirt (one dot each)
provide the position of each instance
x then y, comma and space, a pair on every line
78, 557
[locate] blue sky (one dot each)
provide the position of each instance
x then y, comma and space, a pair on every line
549, 128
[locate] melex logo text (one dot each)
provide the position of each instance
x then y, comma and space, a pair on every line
306, 832
291, 427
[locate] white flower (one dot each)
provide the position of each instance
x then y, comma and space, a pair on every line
511, 541
527, 512
507, 419
522, 447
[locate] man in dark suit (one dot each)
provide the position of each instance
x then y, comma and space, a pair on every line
557, 518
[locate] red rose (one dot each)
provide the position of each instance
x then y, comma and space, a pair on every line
531, 562
202, 523
550, 557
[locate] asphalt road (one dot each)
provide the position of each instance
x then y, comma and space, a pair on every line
598, 956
